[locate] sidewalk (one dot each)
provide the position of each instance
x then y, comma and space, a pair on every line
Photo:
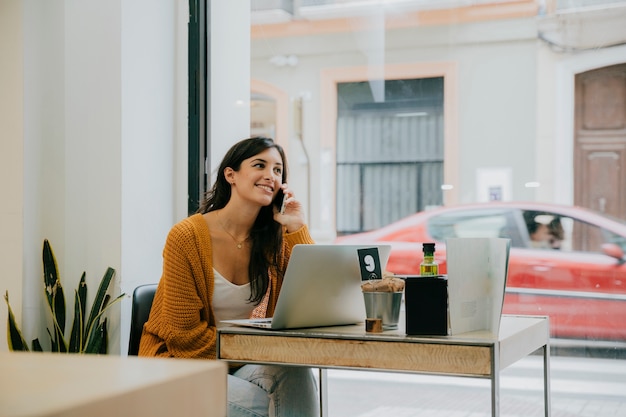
580, 387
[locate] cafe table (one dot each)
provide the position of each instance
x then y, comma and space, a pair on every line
478, 354
36, 384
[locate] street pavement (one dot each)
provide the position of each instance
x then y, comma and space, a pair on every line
580, 387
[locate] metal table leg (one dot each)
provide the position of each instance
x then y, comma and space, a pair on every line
323, 386
495, 381
546, 379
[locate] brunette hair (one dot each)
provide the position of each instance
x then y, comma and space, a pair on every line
266, 235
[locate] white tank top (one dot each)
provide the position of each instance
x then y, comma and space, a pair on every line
230, 301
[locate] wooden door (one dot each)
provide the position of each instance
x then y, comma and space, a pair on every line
600, 140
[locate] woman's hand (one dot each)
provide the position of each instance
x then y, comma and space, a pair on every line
292, 214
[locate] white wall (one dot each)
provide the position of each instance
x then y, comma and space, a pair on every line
95, 159
11, 159
102, 135
44, 155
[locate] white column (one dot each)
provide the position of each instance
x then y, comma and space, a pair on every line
228, 58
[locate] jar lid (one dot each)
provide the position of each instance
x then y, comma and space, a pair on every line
428, 247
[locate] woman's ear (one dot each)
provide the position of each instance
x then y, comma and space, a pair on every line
229, 174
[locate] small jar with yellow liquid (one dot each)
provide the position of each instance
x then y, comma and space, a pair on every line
429, 266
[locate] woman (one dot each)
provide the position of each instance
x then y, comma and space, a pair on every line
539, 235
227, 261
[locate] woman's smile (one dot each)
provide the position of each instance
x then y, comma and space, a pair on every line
268, 188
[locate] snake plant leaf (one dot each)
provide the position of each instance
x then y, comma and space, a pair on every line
97, 338
53, 345
14, 335
37, 346
92, 331
57, 344
82, 296
87, 336
60, 343
77, 335
54, 290
105, 338
99, 302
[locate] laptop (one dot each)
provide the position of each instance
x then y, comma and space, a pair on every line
321, 287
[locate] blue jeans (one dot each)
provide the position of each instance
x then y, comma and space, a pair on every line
272, 391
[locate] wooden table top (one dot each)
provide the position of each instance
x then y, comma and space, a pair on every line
467, 354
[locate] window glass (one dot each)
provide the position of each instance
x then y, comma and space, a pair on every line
417, 121
468, 224
389, 151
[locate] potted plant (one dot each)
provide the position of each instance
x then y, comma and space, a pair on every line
88, 334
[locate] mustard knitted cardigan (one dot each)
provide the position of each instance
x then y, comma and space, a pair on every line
181, 322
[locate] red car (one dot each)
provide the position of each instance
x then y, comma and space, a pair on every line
576, 274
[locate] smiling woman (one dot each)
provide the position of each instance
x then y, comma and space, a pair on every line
228, 261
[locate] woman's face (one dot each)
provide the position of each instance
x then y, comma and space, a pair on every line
542, 234
259, 178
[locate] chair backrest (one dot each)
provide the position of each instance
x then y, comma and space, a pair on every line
142, 302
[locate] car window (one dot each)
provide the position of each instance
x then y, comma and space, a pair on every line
587, 237
551, 231
489, 223
488, 226
548, 230
611, 237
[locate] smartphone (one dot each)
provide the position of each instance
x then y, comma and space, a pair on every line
282, 206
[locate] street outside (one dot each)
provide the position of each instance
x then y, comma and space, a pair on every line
580, 387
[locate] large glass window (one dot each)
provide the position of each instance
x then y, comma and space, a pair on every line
414, 121
389, 151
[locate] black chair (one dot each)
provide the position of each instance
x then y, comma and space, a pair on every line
142, 302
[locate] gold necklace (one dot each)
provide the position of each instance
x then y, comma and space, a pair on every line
237, 242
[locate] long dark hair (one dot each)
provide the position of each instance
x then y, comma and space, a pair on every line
266, 234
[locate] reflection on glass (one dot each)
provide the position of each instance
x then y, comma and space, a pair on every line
414, 105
